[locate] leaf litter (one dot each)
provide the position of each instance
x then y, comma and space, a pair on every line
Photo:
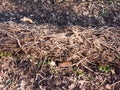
59, 53
85, 48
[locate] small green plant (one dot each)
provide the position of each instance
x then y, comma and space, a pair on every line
80, 73
104, 68
1, 54
105, 13
77, 71
52, 66
74, 68
5, 54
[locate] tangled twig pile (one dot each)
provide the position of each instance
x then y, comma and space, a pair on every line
68, 44
23, 47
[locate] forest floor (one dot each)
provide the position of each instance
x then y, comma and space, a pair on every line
59, 45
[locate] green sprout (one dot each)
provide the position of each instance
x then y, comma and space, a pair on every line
77, 71
104, 68
80, 73
1, 54
52, 66
5, 54
74, 68
105, 13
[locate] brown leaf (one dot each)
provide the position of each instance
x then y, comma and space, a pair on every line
65, 64
25, 19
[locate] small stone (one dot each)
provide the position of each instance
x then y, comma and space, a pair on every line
108, 86
52, 63
35, 0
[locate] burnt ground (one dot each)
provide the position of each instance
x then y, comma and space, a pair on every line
59, 44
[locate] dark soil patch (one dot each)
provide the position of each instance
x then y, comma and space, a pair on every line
83, 13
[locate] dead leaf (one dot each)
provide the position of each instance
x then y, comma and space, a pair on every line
65, 64
25, 19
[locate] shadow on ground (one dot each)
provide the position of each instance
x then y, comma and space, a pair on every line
57, 13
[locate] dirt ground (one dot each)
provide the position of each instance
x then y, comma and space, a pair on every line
59, 45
